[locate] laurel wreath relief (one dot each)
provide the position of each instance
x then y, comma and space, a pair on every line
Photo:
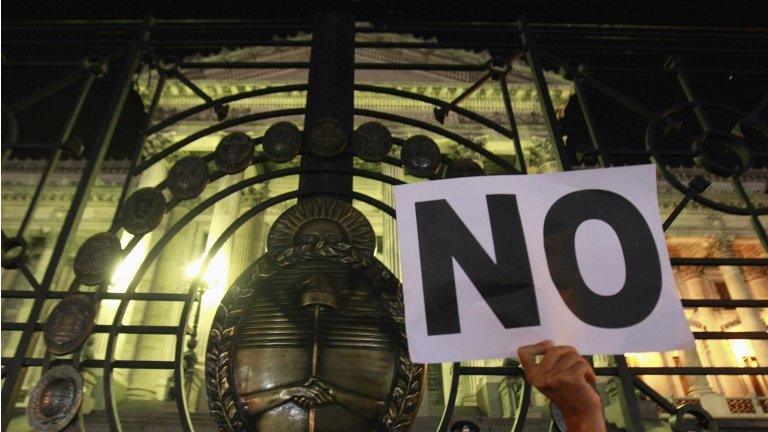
403, 403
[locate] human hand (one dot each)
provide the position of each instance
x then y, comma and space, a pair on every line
568, 381
312, 394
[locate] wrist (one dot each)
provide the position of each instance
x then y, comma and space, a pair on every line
587, 421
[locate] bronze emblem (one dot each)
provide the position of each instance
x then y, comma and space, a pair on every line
421, 156
464, 167
234, 153
282, 142
143, 211
97, 258
69, 324
327, 138
55, 399
372, 141
311, 336
188, 177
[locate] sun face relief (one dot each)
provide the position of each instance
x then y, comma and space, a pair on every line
311, 334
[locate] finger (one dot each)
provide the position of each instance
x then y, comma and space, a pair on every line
552, 356
527, 354
580, 374
590, 375
563, 361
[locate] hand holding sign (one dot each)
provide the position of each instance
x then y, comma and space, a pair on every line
568, 381
576, 257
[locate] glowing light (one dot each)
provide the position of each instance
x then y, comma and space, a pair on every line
127, 268
215, 277
742, 349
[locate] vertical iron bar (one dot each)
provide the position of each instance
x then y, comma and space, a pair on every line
589, 119
512, 124
54, 160
626, 379
553, 127
330, 93
72, 219
450, 404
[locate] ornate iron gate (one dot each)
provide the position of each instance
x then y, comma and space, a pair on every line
728, 148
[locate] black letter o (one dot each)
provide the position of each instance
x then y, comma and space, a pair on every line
642, 287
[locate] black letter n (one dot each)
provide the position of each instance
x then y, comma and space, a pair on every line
507, 285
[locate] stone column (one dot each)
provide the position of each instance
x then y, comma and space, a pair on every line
700, 388
739, 290
391, 252
247, 244
757, 279
224, 213
140, 384
152, 384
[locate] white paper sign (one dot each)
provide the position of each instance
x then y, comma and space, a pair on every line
492, 263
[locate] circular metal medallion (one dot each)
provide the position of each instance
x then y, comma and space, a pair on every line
97, 258
143, 211
464, 167
69, 324
234, 153
55, 399
282, 142
420, 156
372, 141
188, 177
327, 138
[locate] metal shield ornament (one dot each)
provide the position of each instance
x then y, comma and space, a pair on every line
372, 141
234, 153
463, 167
326, 138
311, 337
55, 399
97, 258
69, 324
188, 177
421, 156
143, 211
282, 142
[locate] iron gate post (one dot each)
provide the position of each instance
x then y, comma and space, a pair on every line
330, 93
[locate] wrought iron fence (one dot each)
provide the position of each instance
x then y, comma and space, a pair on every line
131, 45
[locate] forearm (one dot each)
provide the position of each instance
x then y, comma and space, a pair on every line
591, 422
363, 406
260, 401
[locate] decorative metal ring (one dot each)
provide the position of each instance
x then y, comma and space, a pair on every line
234, 153
188, 177
651, 144
703, 420
464, 167
326, 138
421, 156
55, 399
722, 153
14, 252
97, 258
282, 142
69, 324
143, 211
372, 141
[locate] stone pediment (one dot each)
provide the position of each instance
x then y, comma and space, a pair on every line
519, 74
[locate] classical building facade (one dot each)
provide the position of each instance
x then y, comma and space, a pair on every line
699, 232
